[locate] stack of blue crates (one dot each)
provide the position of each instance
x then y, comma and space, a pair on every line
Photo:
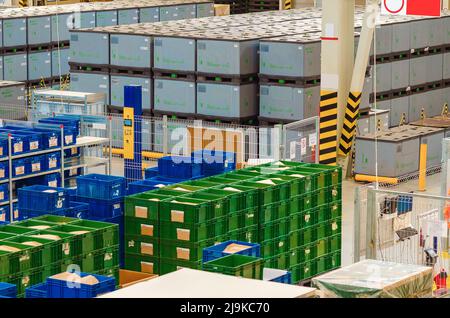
5, 215
8, 290
38, 200
214, 161
217, 251
71, 127
105, 196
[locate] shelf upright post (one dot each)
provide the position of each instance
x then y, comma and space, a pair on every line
110, 145
62, 155
10, 173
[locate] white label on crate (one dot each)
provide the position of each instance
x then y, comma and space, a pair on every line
191, 42
16, 214
312, 140
59, 204
141, 212
53, 184
145, 89
146, 230
53, 142
47, 61
52, 163
34, 145
292, 146
307, 218
3, 217
68, 139
183, 234
102, 86
143, 48
66, 248
20, 170
334, 226
108, 256
2, 173
47, 26
183, 253
2, 195
36, 167
236, 45
73, 172
303, 146
23, 64
22, 29
236, 89
177, 216
147, 248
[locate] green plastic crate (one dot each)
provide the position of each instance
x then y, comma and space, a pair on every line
79, 243
335, 210
335, 193
236, 265
275, 246
334, 243
142, 263
168, 265
302, 237
296, 221
141, 245
302, 254
13, 262
310, 217
202, 183
234, 199
55, 219
320, 197
334, 260
297, 204
280, 261
322, 265
35, 225
328, 228
319, 178
110, 272
186, 210
281, 187
219, 179
70, 243
105, 234
185, 251
187, 232
144, 205
274, 211
321, 247
274, 229
4, 236
243, 219
16, 230
267, 193
139, 226
25, 279
248, 234
220, 204
333, 173
182, 188
49, 252
249, 197
99, 260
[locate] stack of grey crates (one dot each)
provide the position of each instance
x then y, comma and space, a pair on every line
13, 101
34, 41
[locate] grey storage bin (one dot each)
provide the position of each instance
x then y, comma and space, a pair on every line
94, 82
418, 71
384, 77
89, 54
401, 37
400, 74
84, 20
13, 94
446, 66
15, 67
399, 109
148, 15
204, 10
417, 102
128, 16
177, 12
118, 82
60, 27
39, 30
131, 51
63, 67
174, 53
106, 18
39, 65
14, 32
174, 96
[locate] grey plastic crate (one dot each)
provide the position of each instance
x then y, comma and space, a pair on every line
131, 50
39, 30
176, 131
176, 54
106, 18
90, 83
418, 71
436, 102
174, 96
400, 74
147, 15
63, 56
118, 82
227, 100
1, 68
128, 16
446, 96
12, 93
434, 67
1, 33
367, 91
419, 34
15, 67
227, 57
83, 20
399, 108
446, 68
82, 49
384, 39
39, 65
436, 32
401, 37
60, 26
446, 29
417, 102
14, 32
288, 103
384, 77
289, 59
368, 124
177, 12
204, 10
400, 155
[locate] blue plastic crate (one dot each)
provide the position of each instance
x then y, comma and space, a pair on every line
160, 179
71, 128
72, 193
52, 161
101, 186
51, 138
8, 290
73, 172
179, 167
277, 276
19, 168
146, 185
151, 172
60, 288
4, 192
18, 142
4, 170
217, 251
102, 209
36, 291
32, 141
34, 164
29, 214
72, 152
43, 198
50, 180
3, 147
78, 210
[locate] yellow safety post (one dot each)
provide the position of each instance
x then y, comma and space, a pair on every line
445, 110
367, 178
423, 167
287, 5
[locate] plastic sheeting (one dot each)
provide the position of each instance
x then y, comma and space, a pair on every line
377, 279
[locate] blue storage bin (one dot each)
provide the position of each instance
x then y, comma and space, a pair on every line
4, 192
34, 164
151, 172
59, 288
101, 186
215, 161
8, 290
73, 172
43, 198
18, 142
32, 141
277, 276
160, 179
30, 213
4, 213
146, 185
71, 128
51, 180
3, 147
102, 209
72, 193
72, 152
19, 168
52, 161
179, 167
50, 137
78, 210
217, 251
36, 291
4, 170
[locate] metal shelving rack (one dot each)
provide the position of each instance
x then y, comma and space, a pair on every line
82, 142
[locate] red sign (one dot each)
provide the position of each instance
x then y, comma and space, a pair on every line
411, 7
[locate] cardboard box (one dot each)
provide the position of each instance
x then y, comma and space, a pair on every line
128, 278
221, 9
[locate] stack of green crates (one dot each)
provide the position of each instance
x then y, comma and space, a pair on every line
34, 249
236, 265
293, 210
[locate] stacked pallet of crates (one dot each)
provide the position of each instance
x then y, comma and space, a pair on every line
34, 249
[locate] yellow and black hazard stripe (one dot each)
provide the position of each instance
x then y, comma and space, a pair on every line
23, 3
287, 5
350, 120
328, 127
